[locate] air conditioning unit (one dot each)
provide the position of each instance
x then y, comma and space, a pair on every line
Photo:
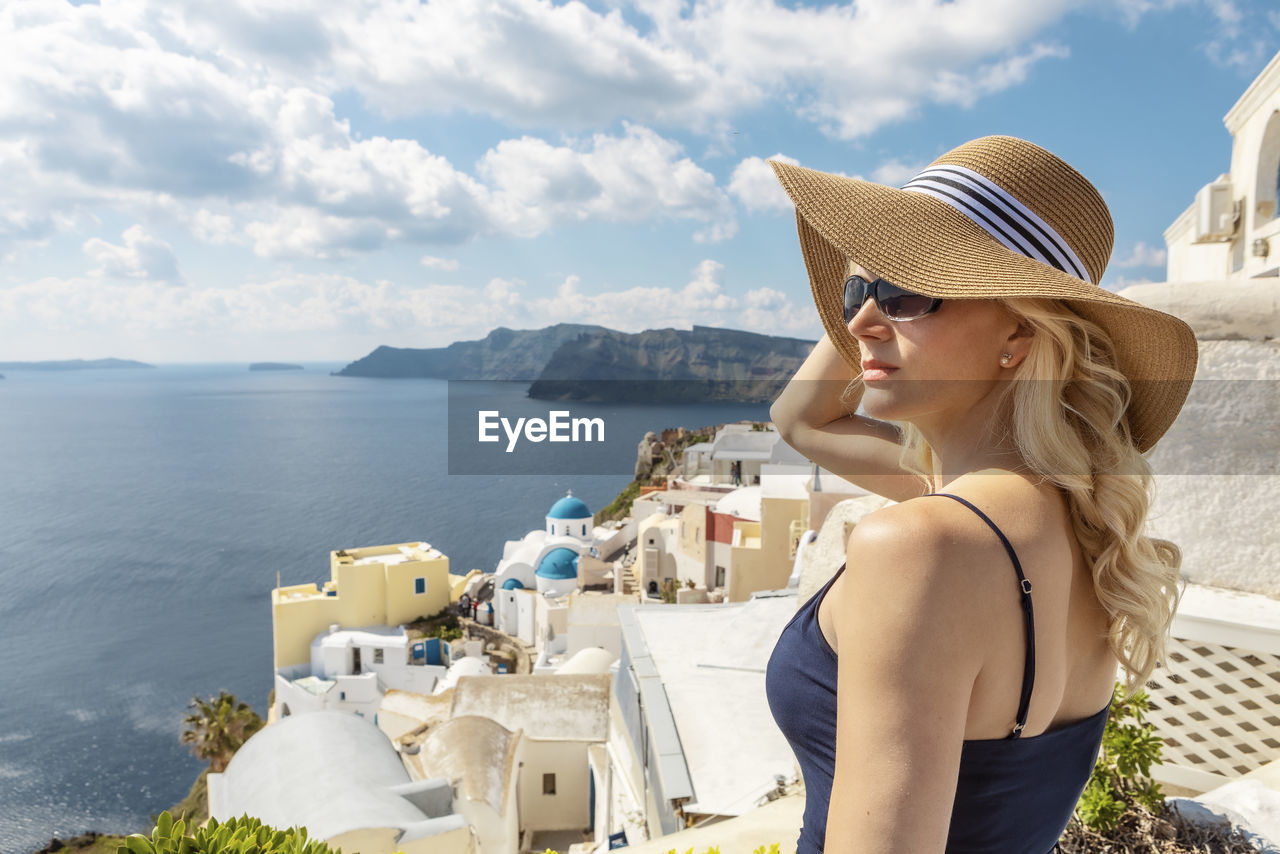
1216, 213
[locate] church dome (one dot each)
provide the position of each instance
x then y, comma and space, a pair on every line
569, 508
558, 563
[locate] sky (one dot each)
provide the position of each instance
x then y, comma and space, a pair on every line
185, 181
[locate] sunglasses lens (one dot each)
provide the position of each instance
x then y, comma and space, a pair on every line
855, 294
899, 304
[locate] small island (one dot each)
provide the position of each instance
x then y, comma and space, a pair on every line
274, 366
73, 365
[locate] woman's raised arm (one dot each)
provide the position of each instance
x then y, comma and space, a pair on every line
812, 418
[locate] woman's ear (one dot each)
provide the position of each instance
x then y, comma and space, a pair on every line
1017, 345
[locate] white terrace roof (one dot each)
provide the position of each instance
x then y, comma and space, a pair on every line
711, 660
552, 706
747, 445
373, 636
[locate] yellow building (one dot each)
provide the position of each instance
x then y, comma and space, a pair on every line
374, 586
765, 551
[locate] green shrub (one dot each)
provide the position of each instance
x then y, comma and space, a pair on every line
620, 506
1121, 779
243, 835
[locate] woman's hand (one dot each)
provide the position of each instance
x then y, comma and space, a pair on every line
812, 418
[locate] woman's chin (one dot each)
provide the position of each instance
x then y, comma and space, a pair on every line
882, 402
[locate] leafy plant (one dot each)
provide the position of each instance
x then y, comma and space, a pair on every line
243, 835
668, 590
621, 505
218, 727
1121, 779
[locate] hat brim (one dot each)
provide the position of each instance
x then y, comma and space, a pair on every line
927, 246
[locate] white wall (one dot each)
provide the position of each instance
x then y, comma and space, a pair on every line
568, 808
361, 696
593, 621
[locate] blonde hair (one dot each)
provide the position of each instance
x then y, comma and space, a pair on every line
1068, 402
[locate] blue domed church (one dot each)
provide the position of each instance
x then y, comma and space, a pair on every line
569, 517
547, 560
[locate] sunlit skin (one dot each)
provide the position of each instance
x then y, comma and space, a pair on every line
924, 619
947, 377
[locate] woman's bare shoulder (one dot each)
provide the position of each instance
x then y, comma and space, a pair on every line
930, 543
911, 577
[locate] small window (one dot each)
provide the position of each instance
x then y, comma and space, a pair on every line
377, 655
342, 695
548, 784
420, 585
584, 529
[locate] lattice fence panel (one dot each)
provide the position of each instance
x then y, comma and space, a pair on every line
1217, 707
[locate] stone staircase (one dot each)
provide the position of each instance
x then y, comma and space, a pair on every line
626, 566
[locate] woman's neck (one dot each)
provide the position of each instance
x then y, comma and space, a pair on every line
974, 441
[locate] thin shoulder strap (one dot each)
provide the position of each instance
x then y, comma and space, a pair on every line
1029, 669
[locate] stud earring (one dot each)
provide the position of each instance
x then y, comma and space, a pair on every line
1004, 358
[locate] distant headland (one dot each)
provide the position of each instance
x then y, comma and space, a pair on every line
74, 365
570, 361
274, 366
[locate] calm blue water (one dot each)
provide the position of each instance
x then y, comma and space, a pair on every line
144, 515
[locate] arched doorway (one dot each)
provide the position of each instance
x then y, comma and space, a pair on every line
1267, 186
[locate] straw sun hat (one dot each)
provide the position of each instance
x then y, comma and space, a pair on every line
995, 217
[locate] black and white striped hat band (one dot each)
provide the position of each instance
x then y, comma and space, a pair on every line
999, 214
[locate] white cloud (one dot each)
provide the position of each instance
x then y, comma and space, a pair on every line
154, 110
143, 256
896, 173
636, 176
1143, 255
1119, 283
851, 68
756, 187
224, 113
702, 300
1244, 38
219, 322
433, 263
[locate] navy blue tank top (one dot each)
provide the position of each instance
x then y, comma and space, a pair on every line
1014, 795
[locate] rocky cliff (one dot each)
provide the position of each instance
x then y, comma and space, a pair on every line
503, 354
704, 363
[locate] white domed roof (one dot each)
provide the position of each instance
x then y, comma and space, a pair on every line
742, 503
591, 659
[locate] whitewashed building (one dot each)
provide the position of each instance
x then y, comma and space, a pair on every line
1231, 228
351, 669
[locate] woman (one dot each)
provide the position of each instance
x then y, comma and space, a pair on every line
1008, 399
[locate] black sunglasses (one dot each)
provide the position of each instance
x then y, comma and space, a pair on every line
894, 302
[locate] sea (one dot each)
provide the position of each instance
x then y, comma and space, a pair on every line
146, 514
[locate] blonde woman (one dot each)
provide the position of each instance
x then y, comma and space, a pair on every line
947, 689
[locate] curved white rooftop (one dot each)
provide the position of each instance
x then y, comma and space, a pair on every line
477, 752
472, 665
742, 503
331, 772
591, 659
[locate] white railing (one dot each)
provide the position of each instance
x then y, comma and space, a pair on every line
1216, 700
